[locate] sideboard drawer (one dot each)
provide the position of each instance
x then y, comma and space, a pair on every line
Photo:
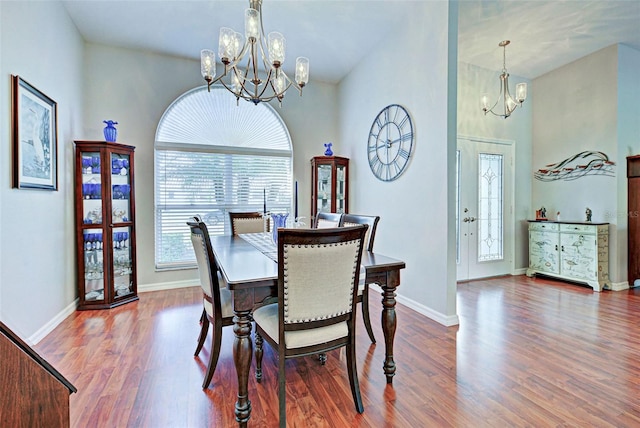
540, 225
582, 228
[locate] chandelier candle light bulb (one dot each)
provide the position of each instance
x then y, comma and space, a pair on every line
263, 78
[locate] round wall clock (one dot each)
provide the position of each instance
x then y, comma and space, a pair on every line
390, 142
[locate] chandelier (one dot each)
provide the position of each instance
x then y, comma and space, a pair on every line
508, 102
263, 78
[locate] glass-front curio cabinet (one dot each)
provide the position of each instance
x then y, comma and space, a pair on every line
105, 224
329, 185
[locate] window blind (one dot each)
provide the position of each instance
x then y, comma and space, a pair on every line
214, 155
210, 185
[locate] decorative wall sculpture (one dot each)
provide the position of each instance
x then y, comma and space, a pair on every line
577, 166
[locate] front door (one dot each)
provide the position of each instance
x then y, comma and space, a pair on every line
484, 208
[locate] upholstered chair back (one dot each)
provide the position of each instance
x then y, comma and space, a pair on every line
327, 220
247, 222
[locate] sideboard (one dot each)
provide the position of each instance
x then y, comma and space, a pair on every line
576, 252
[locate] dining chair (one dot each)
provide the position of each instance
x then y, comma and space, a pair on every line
318, 272
247, 222
363, 288
326, 220
216, 301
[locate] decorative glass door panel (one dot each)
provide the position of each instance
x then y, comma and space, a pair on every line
490, 207
120, 187
91, 188
93, 260
341, 187
324, 188
122, 262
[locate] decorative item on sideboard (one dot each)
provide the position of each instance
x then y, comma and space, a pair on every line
110, 131
328, 152
541, 214
588, 214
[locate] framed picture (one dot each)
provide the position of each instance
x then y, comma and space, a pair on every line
35, 137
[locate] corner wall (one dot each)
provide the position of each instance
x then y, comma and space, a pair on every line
39, 42
415, 209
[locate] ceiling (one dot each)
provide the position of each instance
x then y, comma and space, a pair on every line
335, 35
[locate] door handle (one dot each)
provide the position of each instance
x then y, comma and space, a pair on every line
472, 219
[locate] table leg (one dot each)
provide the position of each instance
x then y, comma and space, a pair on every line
242, 354
389, 321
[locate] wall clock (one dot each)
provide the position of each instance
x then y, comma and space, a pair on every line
390, 142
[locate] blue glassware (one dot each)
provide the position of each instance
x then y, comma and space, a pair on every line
95, 164
328, 152
110, 131
86, 190
278, 220
86, 165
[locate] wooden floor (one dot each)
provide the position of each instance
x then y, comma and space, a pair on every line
527, 353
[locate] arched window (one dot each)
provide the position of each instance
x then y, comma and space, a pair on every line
213, 156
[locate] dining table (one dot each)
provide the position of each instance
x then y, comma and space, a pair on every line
248, 263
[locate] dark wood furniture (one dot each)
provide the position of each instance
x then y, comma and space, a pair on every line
105, 224
252, 278
633, 218
216, 300
329, 185
324, 219
363, 287
33, 393
247, 222
313, 302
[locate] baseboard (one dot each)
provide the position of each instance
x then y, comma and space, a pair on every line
521, 271
438, 317
619, 286
53, 323
167, 285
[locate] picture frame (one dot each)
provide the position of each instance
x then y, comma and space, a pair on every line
35, 137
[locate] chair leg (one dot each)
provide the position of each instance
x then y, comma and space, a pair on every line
259, 353
365, 313
322, 358
215, 353
282, 404
353, 377
204, 329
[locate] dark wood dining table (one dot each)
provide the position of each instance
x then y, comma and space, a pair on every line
252, 275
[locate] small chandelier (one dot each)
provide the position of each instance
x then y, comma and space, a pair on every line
509, 103
249, 84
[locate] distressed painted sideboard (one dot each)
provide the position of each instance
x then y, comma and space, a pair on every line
576, 252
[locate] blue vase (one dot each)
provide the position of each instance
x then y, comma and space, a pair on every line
328, 152
110, 131
278, 220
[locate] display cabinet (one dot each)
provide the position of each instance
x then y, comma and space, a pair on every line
105, 224
329, 185
633, 220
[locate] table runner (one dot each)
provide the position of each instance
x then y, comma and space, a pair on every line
263, 242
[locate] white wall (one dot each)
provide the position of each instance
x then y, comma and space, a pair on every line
473, 81
575, 110
135, 88
415, 208
37, 269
